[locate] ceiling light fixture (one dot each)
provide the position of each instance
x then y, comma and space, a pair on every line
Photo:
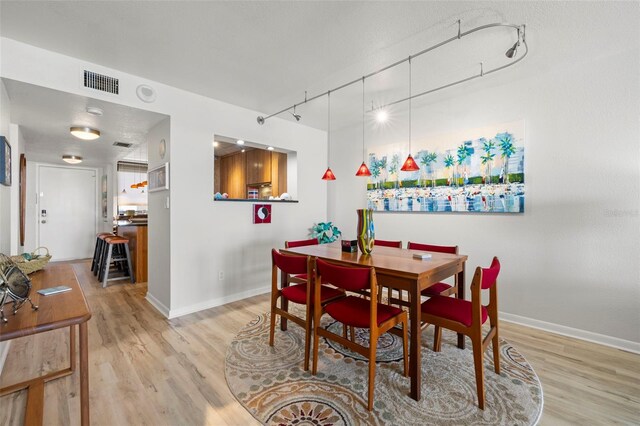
84, 133
410, 164
328, 175
72, 159
382, 116
459, 35
270, 148
296, 116
240, 142
514, 49
363, 170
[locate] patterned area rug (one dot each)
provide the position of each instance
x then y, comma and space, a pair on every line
270, 382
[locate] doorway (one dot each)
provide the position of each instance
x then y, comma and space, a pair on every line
66, 211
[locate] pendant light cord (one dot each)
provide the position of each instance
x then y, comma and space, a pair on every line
329, 128
363, 151
409, 105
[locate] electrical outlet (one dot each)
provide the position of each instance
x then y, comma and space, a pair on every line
221, 275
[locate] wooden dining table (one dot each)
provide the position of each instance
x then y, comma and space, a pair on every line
398, 268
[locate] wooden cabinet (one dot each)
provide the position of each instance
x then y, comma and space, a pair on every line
233, 178
258, 166
137, 235
278, 173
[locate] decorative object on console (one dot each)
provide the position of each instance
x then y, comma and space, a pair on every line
366, 233
325, 232
15, 286
5, 161
262, 213
32, 262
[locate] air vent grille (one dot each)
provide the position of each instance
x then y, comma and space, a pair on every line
122, 144
101, 82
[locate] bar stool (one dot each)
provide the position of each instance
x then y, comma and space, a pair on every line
97, 252
116, 251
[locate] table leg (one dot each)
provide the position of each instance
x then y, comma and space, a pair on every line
460, 295
415, 352
35, 404
72, 347
84, 375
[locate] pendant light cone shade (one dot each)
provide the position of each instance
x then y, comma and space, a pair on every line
363, 170
328, 175
410, 165
85, 133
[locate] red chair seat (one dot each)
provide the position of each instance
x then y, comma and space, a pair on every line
355, 311
298, 293
451, 309
435, 289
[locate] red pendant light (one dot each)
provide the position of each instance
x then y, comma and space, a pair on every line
410, 164
363, 170
328, 175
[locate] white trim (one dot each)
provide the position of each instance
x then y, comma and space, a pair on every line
614, 342
157, 304
4, 353
217, 302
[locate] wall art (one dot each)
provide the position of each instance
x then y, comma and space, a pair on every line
478, 170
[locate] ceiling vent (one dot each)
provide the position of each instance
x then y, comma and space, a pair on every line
122, 144
101, 82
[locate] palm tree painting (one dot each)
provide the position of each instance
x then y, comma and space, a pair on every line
466, 162
507, 149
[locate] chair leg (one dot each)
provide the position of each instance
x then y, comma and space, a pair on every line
307, 340
344, 330
479, 367
107, 264
352, 333
405, 350
316, 341
272, 324
373, 345
129, 266
437, 338
495, 342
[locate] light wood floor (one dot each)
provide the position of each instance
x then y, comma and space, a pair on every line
145, 369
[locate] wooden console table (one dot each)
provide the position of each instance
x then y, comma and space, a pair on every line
61, 310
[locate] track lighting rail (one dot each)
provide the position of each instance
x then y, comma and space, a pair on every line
521, 39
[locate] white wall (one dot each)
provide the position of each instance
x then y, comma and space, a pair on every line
573, 258
5, 191
206, 237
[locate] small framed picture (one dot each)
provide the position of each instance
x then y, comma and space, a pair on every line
159, 178
5, 161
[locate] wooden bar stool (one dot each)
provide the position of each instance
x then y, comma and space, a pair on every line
116, 252
97, 252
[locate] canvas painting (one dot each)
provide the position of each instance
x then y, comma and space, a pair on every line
477, 170
5, 162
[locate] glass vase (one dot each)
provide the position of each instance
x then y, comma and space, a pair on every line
366, 234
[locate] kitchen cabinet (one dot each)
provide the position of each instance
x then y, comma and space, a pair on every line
233, 178
258, 166
278, 173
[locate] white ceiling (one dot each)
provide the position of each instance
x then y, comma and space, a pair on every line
264, 55
45, 115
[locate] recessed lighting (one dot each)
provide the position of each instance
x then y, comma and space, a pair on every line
215, 144
72, 159
382, 116
240, 142
243, 150
95, 111
270, 148
85, 133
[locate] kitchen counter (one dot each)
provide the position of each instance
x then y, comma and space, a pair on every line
137, 234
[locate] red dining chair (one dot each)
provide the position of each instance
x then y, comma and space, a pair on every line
387, 243
467, 317
438, 289
300, 278
356, 312
298, 293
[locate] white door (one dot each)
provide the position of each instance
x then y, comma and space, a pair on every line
66, 211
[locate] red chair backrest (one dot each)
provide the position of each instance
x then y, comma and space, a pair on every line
289, 264
348, 278
300, 243
385, 243
490, 274
430, 247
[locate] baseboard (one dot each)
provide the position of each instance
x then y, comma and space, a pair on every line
4, 351
157, 304
174, 313
614, 342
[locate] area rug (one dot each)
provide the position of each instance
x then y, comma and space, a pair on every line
271, 384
